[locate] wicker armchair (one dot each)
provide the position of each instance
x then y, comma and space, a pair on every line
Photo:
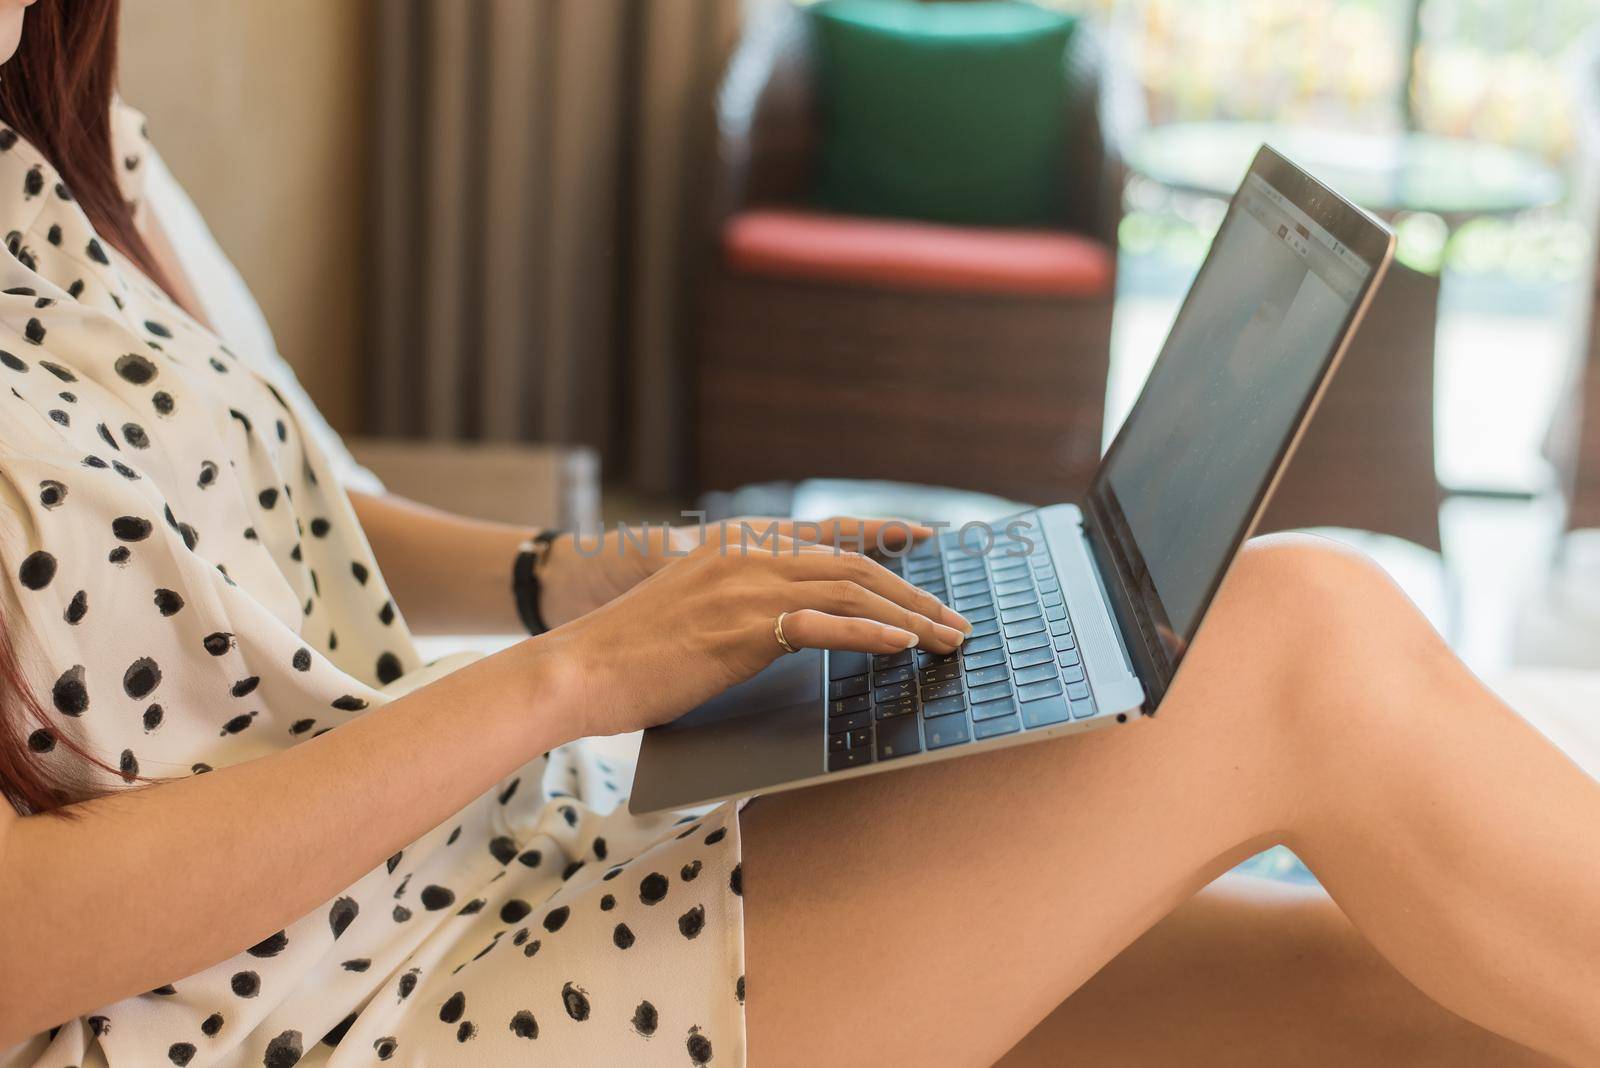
981, 388
1367, 458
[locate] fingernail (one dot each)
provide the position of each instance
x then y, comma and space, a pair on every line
951, 618
903, 638
950, 634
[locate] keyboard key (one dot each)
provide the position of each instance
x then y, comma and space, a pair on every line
893, 675
1068, 658
1030, 657
984, 629
1015, 615
927, 659
889, 660
849, 758
1052, 600
886, 694
898, 738
1028, 641
1072, 674
1049, 585
990, 709
1037, 673
982, 645
842, 688
1060, 626
968, 589
966, 605
967, 565
859, 703
950, 730
938, 690
1009, 569
1022, 627
993, 728
1055, 611
1078, 691
985, 659
1035, 690
903, 707
940, 673
1016, 600
992, 692
860, 736
1064, 642
943, 706
980, 614
839, 741
985, 675
1082, 709
1006, 589
853, 722
844, 665
1044, 713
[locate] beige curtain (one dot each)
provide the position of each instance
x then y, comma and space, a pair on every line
537, 225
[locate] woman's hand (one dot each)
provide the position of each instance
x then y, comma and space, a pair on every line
580, 576
701, 623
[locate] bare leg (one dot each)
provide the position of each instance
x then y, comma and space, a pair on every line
936, 915
1254, 974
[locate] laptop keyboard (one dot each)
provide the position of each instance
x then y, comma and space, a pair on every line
1019, 670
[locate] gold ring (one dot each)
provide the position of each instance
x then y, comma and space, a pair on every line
777, 632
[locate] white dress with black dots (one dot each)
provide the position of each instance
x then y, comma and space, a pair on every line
187, 587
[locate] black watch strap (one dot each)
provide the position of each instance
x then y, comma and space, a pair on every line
525, 579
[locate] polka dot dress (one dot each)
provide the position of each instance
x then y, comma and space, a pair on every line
187, 587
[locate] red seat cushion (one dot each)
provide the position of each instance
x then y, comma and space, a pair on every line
900, 254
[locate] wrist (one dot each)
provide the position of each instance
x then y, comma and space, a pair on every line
561, 584
551, 688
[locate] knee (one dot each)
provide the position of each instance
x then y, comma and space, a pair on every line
1313, 616
1300, 583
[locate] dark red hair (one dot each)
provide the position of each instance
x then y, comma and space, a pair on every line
56, 93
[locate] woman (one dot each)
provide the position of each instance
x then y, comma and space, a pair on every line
249, 827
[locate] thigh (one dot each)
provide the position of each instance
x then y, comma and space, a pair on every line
1256, 974
936, 914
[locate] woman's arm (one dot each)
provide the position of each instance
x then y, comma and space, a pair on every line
150, 885
449, 574
452, 575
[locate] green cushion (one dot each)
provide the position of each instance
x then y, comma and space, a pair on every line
949, 112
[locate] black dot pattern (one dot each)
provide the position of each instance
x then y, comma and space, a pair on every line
193, 590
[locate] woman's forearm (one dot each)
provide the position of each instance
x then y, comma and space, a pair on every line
151, 885
449, 574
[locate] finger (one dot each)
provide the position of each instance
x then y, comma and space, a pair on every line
846, 598
755, 537
870, 533
811, 629
821, 562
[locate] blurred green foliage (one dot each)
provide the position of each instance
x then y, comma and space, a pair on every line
1488, 69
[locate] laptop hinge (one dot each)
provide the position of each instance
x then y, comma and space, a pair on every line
1141, 643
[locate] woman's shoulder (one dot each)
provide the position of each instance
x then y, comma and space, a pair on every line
131, 149
29, 181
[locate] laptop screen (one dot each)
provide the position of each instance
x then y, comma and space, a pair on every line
1245, 356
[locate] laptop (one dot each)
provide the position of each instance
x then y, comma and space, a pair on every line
1081, 612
